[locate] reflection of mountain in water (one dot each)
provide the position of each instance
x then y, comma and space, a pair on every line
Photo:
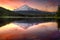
25, 25
4, 21
35, 20
30, 22
45, 31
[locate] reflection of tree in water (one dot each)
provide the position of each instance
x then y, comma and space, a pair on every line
58, 16
4, 21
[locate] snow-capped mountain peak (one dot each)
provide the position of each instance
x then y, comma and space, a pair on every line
25, 8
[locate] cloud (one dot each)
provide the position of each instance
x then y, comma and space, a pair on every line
38, 4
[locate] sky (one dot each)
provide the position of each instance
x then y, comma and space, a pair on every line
44, 5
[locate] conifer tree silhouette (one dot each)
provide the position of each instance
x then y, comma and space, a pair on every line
58, 12
58, 16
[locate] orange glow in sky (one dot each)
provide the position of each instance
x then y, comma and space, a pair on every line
13, 4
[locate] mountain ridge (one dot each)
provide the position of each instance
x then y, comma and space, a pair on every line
30, 13
25, 8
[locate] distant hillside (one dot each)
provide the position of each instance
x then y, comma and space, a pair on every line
5, 12
36, 13
28, 11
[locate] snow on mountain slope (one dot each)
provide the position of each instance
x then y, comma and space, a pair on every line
25, 8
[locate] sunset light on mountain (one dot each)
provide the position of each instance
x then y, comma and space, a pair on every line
44, 5
29, 19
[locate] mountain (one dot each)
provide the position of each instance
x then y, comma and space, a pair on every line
6, 12
3, 11
26, 10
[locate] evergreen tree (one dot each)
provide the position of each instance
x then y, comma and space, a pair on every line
58, 12
58, 16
